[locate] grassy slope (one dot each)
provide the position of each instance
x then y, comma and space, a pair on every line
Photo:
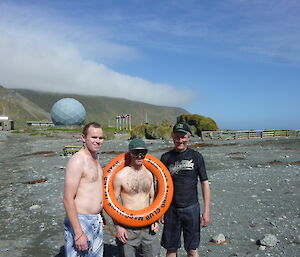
20, 109
104, 109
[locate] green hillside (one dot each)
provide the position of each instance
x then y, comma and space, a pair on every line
104, 109
19, 108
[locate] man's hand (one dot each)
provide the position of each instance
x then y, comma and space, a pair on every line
103, 219
205, 219
161, 220
121, 234
81, 242
154, 227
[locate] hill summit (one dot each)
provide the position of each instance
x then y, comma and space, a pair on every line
36, 105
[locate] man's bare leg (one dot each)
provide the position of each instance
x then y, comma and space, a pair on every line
193, 253
171, 253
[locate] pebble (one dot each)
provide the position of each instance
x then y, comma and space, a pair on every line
220, 238
42, 227
262, 247
297, 240
268, 240
34, 207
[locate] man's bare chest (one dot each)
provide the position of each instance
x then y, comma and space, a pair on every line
137, 184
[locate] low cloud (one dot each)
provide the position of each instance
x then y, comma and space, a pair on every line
39, 61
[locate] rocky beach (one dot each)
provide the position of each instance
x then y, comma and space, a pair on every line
255, 187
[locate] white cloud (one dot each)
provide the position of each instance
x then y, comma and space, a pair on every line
42, 60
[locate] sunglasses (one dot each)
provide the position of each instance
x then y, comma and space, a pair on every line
138, 152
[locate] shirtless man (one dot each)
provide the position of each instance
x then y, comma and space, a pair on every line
83, 195
134, 185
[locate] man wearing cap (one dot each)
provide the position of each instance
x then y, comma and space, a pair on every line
186, 167
134, 185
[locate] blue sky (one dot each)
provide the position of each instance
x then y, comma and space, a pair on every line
235, 61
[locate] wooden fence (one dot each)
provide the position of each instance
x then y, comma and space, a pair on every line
71, 149
250, 134
223, 135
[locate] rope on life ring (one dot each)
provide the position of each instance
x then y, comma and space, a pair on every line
144, 217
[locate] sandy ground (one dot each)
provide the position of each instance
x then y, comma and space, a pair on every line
254, 183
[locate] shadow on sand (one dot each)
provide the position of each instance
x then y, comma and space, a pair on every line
109, 251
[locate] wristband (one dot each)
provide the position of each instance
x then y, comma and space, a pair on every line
79, 236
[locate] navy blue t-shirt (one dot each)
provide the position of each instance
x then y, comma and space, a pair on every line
185, 168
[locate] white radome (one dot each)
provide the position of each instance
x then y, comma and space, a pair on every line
68, 111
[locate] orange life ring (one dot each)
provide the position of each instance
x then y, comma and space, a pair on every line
144, 217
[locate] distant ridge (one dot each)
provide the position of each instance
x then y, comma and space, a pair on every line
104, 109
19, 108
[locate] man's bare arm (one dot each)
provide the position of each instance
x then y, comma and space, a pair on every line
73, 176
151, 193
205, 217
155, 225
120, 231
117, 185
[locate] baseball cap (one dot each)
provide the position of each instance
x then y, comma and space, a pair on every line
137, 143
181, 127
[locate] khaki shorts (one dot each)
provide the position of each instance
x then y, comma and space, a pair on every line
142, 241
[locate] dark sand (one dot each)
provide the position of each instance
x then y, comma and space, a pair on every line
254, 183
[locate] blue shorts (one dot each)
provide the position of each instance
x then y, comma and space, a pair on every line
92, 226
177, 220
